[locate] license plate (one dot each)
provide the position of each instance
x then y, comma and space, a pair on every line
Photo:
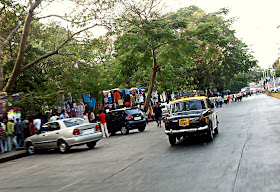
88, 131
184, 122
137, 118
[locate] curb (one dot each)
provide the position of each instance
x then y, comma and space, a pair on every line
13, 156
22, 153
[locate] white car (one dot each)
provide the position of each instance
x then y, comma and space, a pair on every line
63, 134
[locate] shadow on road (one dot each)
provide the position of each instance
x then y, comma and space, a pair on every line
193, 142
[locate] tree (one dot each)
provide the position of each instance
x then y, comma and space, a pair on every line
276, 66
88, 14
143, 35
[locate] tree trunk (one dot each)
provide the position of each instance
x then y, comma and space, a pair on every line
152, 81
16, 70
1, 68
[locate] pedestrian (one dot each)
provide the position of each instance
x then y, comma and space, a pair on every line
25, 123
91, 116
37, 123
18, 132
9, 134
221, 100
216, 102
63, 115
31, 126
86, 117
158, 114
2, 136
103, 124
54, 117
43, 120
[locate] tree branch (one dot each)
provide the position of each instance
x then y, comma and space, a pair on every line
61, 17
37, 60
11, 34
57, 49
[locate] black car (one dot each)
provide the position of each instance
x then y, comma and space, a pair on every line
193, 116
124, 120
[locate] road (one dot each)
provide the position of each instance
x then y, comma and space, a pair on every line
244, 156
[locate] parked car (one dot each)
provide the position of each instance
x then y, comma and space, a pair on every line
125, 119
63, 134
193, 116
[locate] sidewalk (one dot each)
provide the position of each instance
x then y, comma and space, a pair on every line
14, 154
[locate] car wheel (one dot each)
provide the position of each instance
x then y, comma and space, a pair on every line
30, 148
124, 130
172, 140
210, 135
141, 129
91, 145
63, 147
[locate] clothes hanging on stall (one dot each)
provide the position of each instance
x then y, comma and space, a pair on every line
117, 96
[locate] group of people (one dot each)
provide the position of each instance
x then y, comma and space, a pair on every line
13, 133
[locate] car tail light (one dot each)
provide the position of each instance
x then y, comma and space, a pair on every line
202, 117
76, 132
97, 127
128, 118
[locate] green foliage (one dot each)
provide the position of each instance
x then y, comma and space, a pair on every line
194, 50
276, 66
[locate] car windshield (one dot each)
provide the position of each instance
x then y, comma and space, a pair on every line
132, 111
188, 106
74, 122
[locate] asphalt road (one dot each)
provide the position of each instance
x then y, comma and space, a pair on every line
244, 156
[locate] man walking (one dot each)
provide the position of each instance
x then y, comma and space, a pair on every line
18, 133
158, 114
25, 123
9, 134
103, 124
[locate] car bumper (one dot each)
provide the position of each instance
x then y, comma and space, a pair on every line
83, 139
135, 125
190, 130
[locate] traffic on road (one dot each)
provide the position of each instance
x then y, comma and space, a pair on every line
242, 157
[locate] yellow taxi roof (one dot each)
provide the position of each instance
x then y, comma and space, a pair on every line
189, 98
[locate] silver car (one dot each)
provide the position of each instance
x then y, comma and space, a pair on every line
63, 134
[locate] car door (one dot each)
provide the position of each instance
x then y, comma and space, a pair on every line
39, 139
52, 134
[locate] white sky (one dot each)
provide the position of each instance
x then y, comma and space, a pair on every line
256, 25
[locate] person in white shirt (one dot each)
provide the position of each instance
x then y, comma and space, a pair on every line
54, 117
86, 117
37, 123
63, 115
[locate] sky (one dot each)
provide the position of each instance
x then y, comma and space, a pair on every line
256, 24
